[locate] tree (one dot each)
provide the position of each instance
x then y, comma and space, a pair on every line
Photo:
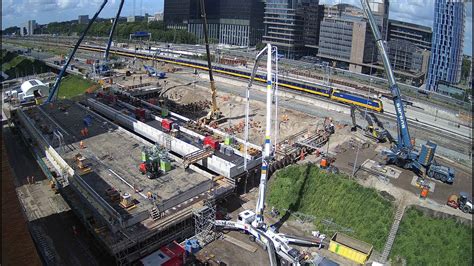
466, 68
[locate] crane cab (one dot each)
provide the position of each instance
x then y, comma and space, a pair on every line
246, 217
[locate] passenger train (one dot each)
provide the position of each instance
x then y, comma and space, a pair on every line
315, 89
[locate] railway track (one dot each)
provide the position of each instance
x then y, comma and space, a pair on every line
440, 131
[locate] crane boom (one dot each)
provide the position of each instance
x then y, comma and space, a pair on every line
403, 153
112, 30
404, 140
260, 206
214, 113
52, 94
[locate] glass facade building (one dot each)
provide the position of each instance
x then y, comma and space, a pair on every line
229, 22
447, 43
284, 27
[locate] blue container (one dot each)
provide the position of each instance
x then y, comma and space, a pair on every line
192, 246
87, 121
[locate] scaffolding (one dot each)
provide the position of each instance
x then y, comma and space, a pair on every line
204, 218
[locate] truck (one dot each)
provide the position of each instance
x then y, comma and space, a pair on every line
461, 201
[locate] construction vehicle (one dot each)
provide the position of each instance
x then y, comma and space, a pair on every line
103, 68
214, 113
376, 132
403, 153
150, 165
252, 222
152, 72
461, 201
327, 163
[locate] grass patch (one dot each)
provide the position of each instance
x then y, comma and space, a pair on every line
336, 198
72, 86
424, 240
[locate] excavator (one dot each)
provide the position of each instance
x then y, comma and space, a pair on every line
375, 131
403, 153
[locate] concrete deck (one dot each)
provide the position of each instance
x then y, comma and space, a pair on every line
114, 155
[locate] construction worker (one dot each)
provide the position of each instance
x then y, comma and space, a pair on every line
81, 144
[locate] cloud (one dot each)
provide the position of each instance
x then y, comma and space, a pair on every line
18, 7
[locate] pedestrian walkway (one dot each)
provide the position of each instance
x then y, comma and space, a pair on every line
393, 231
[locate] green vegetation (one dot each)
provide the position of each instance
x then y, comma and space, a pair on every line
124, 29
332, 197
19, 66
72, 86
424, 240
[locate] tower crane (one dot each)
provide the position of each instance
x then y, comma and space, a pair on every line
277, 244
53, 93
403, 153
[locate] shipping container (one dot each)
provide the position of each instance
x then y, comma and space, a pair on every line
350, 248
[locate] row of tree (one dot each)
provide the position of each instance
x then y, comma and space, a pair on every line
102, 28
157, 30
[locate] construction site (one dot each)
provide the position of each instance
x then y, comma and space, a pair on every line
172, 164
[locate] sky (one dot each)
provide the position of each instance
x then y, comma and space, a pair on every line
18, 12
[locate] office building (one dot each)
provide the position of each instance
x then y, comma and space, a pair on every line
313, 14
346, 42
380, 11
229, 22
416, 34
447, 43
241, 22
136, 18
83, 19
177, 13
284, 27
407, 57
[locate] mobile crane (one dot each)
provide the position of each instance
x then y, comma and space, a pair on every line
104, 68
214, 114
53, 93
403, 153
253, 222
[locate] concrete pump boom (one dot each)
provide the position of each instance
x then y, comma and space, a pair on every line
266, 157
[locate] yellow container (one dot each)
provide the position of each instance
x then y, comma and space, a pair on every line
350, 248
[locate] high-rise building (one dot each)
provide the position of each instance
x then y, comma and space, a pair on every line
313, 14
83, 19
30, 27
284, 27
177, 13
241, 22
229, 22
447, 43
416, 34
